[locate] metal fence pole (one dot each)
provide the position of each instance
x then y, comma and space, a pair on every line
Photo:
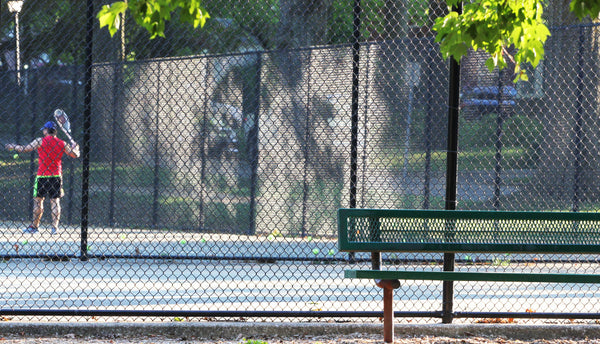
156, 184
498, 144
428, 131
451, 173
71, 164
34, 110
254, 109
354, 102
113, 154
354, 105
366, 70
87, 124
202, 151
305, 153
577, 130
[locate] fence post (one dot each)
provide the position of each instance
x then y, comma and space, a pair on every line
113, 153
498, 144
71, 164
305, 152
87, 124
203, 141
156, 184
428, 142
252, 147
451, 171
354, 103
354, 106
577, 130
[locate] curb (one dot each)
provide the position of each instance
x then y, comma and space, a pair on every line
234, 330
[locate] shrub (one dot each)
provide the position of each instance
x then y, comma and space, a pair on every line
523, 131
517, 131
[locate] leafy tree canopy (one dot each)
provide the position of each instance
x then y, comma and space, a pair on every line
495, 25
152, 14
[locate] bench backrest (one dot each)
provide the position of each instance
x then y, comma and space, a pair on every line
403, 230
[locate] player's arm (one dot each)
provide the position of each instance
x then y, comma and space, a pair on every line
33, 145
72, 150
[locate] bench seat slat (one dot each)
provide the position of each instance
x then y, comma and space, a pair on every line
472, 276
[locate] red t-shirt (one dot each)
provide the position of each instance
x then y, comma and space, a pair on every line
50, 156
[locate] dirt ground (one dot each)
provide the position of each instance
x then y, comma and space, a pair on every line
344, 339
273, 332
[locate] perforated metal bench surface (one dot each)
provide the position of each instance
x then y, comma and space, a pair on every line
454, 231
399, 230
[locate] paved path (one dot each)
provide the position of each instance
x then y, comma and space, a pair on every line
477, 185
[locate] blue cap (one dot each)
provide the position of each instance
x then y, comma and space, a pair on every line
49, 125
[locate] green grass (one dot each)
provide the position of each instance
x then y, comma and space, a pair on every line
180, 213
135, 189
323, 198
512, 158
395, 160
133, 197
144, 176
253, 341
139, 175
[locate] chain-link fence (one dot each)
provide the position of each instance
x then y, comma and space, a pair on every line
214, 160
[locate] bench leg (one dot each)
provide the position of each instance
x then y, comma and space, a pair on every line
388, 315
388, 287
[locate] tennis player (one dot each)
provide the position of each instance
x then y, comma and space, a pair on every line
48, 182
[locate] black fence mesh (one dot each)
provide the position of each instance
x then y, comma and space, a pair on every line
219, 156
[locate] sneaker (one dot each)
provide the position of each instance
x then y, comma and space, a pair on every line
53, 231
30, 230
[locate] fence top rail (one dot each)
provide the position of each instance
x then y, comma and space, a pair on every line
407, 230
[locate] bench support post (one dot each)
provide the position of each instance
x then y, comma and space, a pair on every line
388, 315
448, 291
388, 287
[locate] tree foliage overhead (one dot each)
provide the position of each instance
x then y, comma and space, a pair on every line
238, 23
152, 14
494, 26
43, 28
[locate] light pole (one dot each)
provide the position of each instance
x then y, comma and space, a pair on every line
15, 6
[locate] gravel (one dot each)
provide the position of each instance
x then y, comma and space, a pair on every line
342, 339
292, 333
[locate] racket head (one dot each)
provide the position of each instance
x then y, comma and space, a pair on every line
63, 120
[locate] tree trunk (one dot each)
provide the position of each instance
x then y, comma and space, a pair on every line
304, 24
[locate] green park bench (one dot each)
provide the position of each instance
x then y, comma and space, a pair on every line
454, 231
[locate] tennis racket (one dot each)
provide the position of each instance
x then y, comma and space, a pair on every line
63, 122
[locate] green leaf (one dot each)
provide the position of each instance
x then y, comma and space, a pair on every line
110, 16
585, 8
152, 14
